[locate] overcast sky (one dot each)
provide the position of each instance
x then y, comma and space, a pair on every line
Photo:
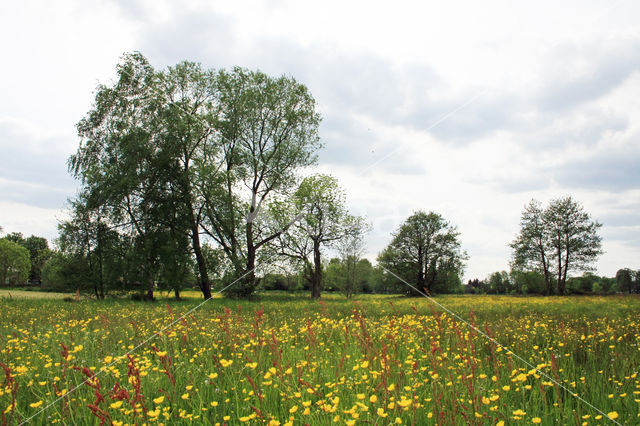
468, 109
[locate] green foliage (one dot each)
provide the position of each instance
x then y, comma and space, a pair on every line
627, 280
499, 283
529, 282
323, 222
556, 240
166, 156
15, 264
425, 251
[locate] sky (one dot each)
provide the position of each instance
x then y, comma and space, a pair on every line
468, 109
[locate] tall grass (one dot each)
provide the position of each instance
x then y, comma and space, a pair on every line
286, 359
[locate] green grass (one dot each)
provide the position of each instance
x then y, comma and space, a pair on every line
370, 360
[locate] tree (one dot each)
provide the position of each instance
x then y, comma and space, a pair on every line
529, 282
14, 262
556, 240
530, 248
324, 222
270, 130
92, 257
351, 249
425, 250
191, 107
121, 163
174, 159
624, 279
499, 283
39, 253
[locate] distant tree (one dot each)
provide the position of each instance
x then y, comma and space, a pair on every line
351, 249
425, 251
499, 283
364, 276
93, 256
15, 237
556, 240
531, 248
14, 262
624, 279
529, 282
475, 286
39, 253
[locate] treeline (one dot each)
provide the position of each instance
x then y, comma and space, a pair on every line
531, 282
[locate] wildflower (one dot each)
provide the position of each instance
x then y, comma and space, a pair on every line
293, 409
159, 400
116, 405
36, 404
185, 396
373, 399
381, 412
519, 412
536, 420
360, 396
391, 387
613, 415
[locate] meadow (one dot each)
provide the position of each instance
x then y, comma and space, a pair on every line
284, 359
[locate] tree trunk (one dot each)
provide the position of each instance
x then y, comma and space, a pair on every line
248, 283
150, 285
204, 284
560, 283
316, 274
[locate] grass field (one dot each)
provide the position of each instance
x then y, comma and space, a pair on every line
286, 359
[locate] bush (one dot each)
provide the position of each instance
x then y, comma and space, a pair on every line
15, 263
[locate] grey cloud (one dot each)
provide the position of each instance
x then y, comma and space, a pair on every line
569, 84
193, 35
615, 172
32, 170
